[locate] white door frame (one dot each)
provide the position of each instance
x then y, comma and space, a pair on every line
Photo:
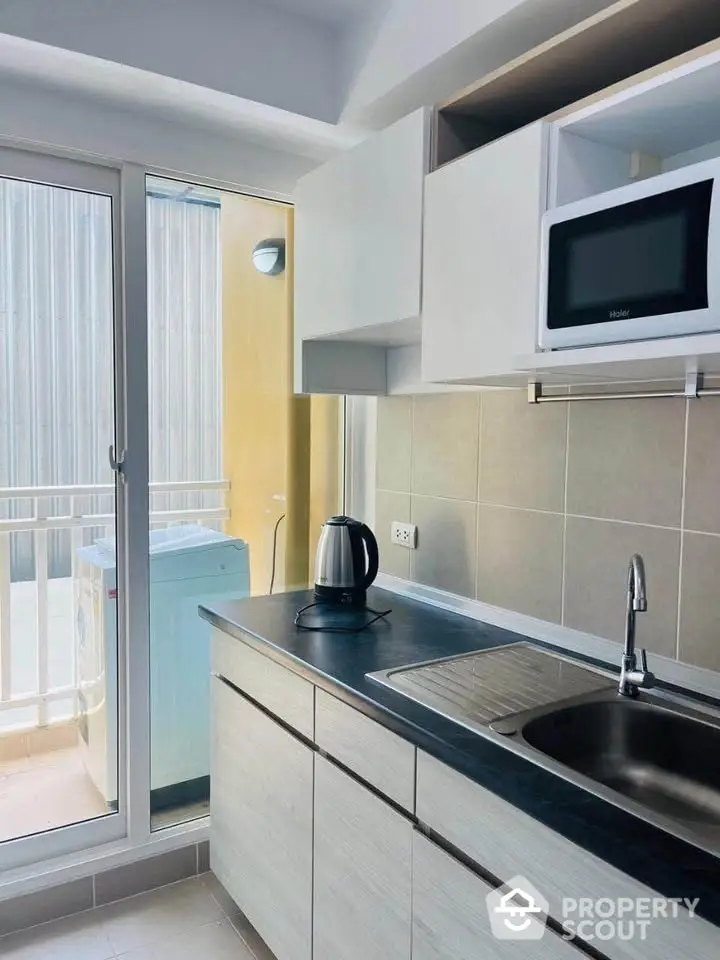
126, 188
360, 458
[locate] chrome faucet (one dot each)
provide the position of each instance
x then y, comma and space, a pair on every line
632, 678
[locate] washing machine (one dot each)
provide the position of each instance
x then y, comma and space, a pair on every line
189, 565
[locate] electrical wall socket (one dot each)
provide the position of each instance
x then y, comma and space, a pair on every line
404, 535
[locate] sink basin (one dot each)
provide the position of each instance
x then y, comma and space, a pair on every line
656, 756
651, 754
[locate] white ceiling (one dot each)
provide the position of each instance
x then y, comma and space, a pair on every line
331, 11
299, 55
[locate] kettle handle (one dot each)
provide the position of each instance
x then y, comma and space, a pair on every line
372, 552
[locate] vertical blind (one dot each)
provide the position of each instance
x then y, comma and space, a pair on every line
56, 351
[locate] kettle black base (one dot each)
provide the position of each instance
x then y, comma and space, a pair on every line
355, 597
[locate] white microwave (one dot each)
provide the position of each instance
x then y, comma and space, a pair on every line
636, 263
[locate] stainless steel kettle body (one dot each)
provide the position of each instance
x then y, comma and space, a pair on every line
347, 561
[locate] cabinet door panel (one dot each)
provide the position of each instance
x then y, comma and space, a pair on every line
261, 822
481, 258
450, 920
370, 750
279, 690
358, 233
362, 896
508, 842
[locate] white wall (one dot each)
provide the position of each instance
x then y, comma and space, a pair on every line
58, 118
425, 51
244, 47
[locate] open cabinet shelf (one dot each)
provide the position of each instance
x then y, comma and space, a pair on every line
591, 56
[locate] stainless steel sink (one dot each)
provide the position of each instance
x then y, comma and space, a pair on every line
649, 752
655, 755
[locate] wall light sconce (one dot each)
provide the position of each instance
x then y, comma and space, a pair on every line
269, 256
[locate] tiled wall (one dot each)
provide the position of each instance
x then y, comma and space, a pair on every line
538, 508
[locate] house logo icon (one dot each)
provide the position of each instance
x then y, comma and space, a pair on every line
520, 913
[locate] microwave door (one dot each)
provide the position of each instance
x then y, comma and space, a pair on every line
631, 271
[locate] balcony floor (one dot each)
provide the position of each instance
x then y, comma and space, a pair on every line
44, 791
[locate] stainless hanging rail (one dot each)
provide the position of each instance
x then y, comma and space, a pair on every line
693, 391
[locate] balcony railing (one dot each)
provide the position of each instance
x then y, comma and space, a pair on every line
41, 522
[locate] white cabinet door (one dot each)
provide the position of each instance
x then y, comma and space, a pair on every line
261, 821
363, 849
358, 250
481, 258
450, 919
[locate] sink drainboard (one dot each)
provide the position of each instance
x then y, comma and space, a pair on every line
475, 689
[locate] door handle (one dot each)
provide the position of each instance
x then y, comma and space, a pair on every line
117, 462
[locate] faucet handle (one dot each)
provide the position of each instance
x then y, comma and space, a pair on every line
643, 660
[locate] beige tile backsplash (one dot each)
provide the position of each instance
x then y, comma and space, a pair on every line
523, 452
625, 460
537, 508
447, 544
508, 573
445, 450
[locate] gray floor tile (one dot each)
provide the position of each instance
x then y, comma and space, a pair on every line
154, 917
237, 918
81, 937
213, 941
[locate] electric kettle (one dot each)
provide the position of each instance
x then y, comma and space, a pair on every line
346, 562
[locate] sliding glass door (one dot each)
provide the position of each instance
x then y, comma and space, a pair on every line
153, 456
63, 512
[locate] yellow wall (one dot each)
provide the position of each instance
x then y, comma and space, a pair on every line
268, 433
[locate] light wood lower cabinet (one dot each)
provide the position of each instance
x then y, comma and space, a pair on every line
262, 821
450, 918
363, 874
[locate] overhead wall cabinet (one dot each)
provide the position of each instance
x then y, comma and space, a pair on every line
417, 260
481, 246
358, 259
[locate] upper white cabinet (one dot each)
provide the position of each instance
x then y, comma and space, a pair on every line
481, 259
358, 259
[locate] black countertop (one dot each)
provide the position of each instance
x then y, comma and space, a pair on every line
415, 632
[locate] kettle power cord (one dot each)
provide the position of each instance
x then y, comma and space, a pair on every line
274, 551
324, 628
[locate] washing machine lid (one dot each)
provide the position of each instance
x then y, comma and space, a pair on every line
174, 539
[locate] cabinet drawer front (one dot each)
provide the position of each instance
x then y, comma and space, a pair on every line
380, 757
507, 842
450, 920
261, 821
362, 893
281, 691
